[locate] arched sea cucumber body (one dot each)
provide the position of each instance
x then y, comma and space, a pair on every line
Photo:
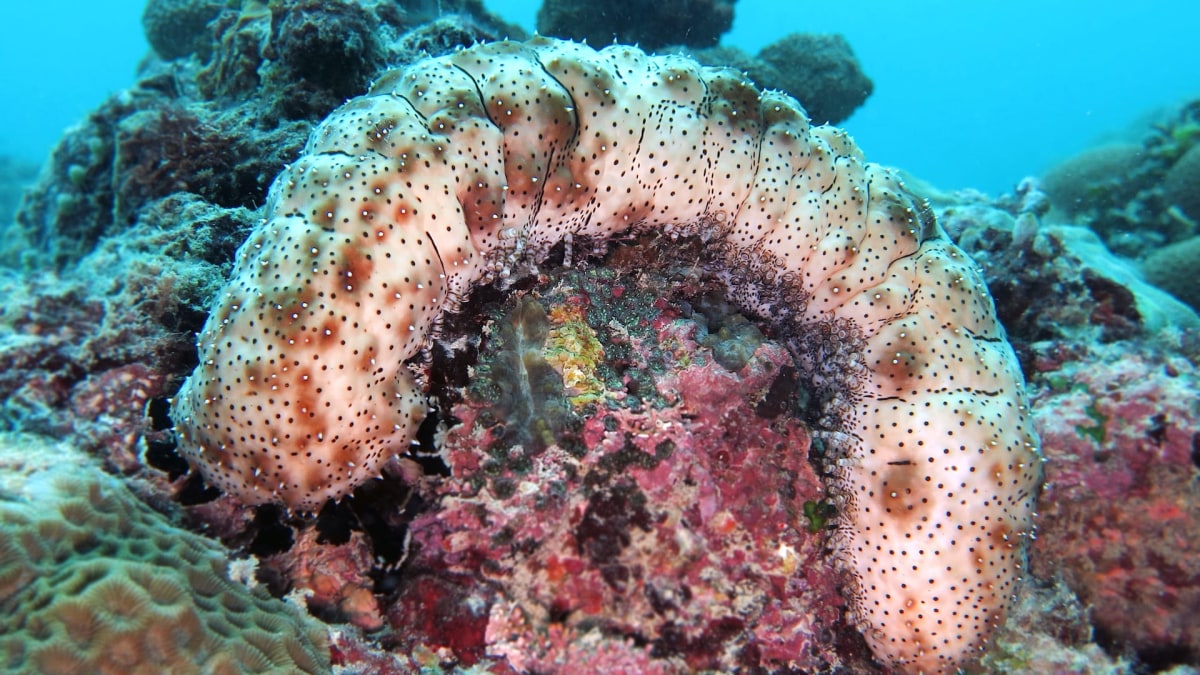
467, 169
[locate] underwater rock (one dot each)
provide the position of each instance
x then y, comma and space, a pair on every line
59, 350
530, 398
89, 354
667, 531
333, 578
732, 337
71, 207
1050, 631
15, 177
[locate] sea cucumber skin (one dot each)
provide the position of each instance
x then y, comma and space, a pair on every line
469, 168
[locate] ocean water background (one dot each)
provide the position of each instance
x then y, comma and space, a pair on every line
967, 94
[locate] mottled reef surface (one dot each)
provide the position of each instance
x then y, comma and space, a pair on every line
620, 474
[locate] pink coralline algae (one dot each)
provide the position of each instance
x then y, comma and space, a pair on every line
333, 578
110, 409
678, 541
1120, 521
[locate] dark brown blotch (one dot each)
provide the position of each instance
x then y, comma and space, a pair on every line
903, 492
356, 267
900, 368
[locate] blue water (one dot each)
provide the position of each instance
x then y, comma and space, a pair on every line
967, 94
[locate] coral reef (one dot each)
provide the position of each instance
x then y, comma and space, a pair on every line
609, 542
136, 149
323, 52
1059, 281
302, 58
121, 321
91, 580
651, 493
1098, 178
650, 24
1137, 195
471, 168
1140, 198
221, 125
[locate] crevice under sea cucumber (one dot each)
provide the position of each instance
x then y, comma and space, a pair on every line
469, 168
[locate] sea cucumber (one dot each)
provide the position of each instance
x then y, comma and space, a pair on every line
469, 168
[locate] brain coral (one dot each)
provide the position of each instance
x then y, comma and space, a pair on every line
470, 168
92, 581
1173, 268
1097, 178
1182, 185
